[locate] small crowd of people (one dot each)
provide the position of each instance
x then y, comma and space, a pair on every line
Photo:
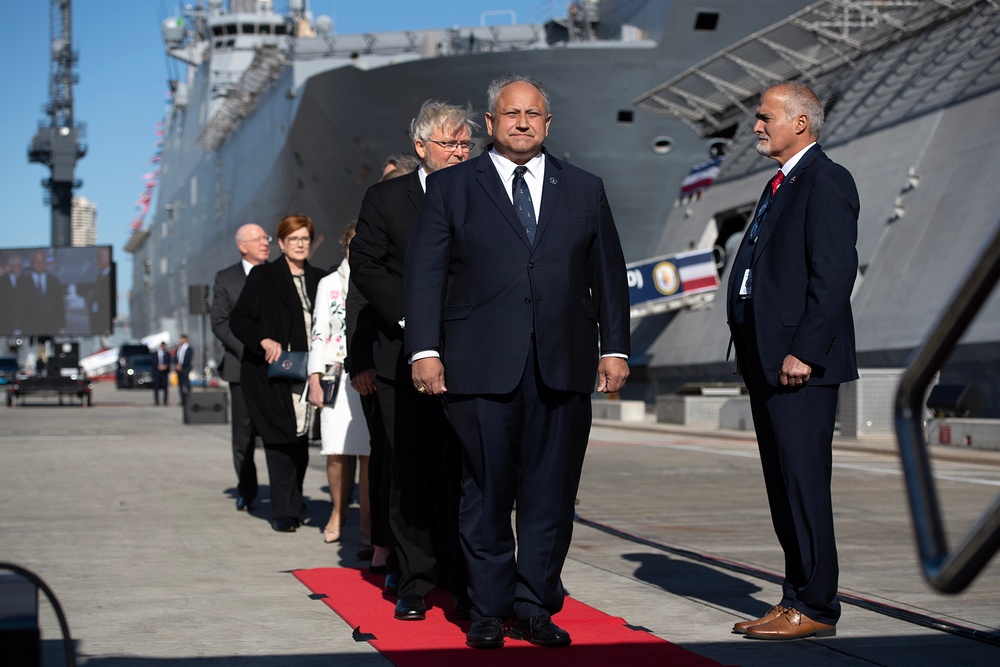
454, 351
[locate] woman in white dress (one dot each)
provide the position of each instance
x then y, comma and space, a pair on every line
343, 430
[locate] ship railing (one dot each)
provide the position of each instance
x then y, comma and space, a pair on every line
241, 98
949, 571
818, 39
451, 41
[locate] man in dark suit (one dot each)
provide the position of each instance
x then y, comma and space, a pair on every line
43, 304
255, 247
415, 428
182, 366
789, 311
102, 295
10, 296
161, 374
518, 318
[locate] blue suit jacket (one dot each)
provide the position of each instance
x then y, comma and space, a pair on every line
477, 291
804, 269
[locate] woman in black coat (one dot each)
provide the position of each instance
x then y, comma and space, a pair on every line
272, 315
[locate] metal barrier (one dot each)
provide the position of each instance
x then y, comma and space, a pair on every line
949, 572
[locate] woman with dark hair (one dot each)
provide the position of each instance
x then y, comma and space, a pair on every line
274, 315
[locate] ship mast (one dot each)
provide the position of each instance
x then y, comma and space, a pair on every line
57, 145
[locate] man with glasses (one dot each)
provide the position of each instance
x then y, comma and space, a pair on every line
424, 463
255, 247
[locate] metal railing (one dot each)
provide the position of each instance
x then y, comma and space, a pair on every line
948, 571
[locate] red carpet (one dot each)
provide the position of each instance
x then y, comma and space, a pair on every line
599, 640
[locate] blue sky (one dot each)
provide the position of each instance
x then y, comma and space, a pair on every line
121, 96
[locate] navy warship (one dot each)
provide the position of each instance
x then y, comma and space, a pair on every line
274, 112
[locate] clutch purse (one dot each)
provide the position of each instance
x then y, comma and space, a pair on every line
330, 385
290, 366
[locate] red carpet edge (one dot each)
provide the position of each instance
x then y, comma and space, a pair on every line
598, 639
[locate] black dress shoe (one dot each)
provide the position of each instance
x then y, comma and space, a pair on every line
411, 608
540, 631
244, 505
485, 633
284, 525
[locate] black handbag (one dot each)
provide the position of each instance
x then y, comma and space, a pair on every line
290, 366
330, 385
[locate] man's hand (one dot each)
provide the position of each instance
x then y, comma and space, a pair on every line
611, 374
364, 382
428, 376
794, 372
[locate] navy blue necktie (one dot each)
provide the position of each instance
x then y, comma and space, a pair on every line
522, 203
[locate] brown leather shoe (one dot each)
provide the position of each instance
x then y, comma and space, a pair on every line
741, 627
792, 624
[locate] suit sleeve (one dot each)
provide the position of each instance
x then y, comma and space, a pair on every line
426, 272
362, 330
370, 250
609, 283
245, 319
831, 236
222, 305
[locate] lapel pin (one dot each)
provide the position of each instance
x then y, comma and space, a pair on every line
792, 179
553, 181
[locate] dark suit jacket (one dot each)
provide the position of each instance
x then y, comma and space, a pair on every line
42, 314
478, 292
185, 361
362, 332
378, 248
226, 291
269, 307
804, 268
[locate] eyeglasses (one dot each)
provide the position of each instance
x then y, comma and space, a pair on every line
259, 239
452, 146
298, 240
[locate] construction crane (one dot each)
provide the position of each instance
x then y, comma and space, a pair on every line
58, 144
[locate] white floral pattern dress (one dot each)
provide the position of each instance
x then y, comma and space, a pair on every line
343, 429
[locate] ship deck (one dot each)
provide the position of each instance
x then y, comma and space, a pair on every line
127, 514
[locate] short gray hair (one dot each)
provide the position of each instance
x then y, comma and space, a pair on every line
801, 99
501, 82
434, 113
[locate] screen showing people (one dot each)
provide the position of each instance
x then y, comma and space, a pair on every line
56, 291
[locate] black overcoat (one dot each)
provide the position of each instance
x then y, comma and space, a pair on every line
269, 307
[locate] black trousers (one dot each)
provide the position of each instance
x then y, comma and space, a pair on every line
161, 382
244, 440
795, 438
378, 472
527, 446
286, 469
416, 441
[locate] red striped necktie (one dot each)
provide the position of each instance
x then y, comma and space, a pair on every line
776, 181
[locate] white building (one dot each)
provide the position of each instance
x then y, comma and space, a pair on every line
83, 222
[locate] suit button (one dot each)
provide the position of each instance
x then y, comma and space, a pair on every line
527, 300
531, 265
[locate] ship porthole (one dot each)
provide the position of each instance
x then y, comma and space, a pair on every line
662, 145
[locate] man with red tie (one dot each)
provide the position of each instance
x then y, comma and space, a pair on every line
789, 312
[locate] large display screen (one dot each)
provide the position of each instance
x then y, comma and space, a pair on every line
56, 291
